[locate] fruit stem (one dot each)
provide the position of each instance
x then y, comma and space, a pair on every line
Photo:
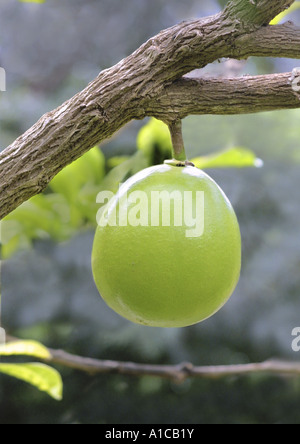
177, 140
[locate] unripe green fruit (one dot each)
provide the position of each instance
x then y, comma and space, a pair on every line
174, 275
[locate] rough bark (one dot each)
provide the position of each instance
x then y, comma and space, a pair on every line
269, 41
137, 85
243, 95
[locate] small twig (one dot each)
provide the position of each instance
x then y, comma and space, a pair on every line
179, 372
177, 140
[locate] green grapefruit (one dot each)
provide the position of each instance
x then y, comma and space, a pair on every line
150, 263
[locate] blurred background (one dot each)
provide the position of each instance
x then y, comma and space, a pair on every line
50, 52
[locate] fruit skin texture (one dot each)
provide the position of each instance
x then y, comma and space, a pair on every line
157, 276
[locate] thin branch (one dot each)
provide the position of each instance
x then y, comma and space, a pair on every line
243, 95
125, 91
177, 140
178, 372
281, 41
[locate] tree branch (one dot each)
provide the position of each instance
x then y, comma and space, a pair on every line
256, 12
269, 41
125, 92
242, 95
178, 372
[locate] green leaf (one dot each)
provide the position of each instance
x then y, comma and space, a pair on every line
283, 14
43, 216
90, 168
155, 136
32, 1
122, 172
116, 161
68, 204
25, 348
232, 158
41, 376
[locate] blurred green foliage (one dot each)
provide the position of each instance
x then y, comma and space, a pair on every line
154, 141
295, 6
32, 1
237, 157
68, 204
